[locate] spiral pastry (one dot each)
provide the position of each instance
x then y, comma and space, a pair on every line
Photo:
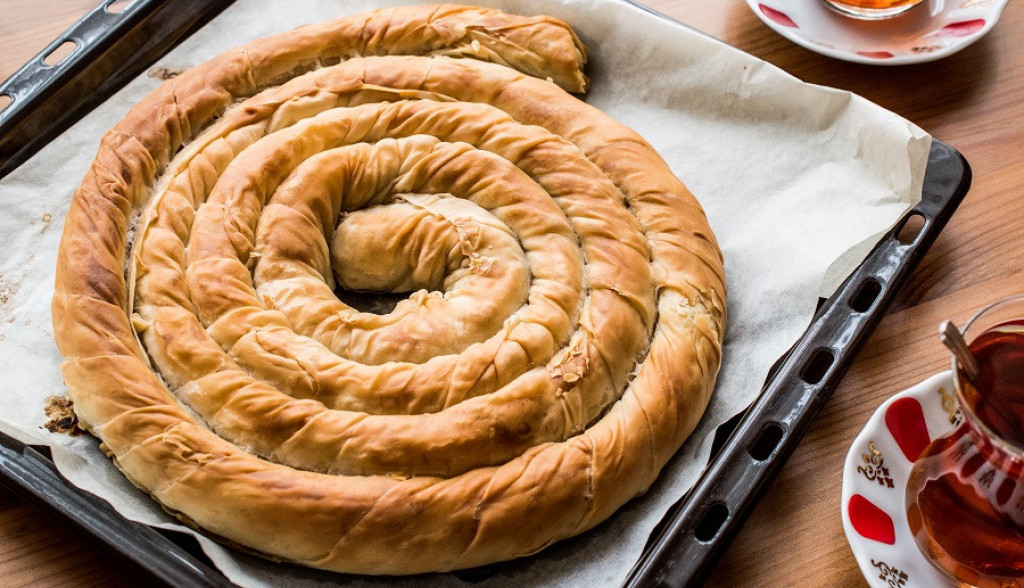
560, 336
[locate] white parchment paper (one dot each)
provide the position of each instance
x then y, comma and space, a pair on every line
793, 177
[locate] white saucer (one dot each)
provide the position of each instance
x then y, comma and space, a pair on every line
875, 479
931, 30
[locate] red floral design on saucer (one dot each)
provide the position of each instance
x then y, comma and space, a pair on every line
777, 16
931, 30
875, 480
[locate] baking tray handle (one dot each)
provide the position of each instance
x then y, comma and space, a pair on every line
110, 48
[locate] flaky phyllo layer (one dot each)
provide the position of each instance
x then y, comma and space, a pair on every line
559, 341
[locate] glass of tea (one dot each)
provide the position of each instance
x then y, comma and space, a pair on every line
872, 9
965, 495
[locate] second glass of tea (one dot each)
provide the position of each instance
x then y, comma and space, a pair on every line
872, 9
965, 495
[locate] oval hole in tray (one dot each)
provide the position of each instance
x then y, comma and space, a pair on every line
59, 54
817, 365
866, 294
117, 6
713, 519
910, 228
765, 444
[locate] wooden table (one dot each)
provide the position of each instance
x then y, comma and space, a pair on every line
973, 100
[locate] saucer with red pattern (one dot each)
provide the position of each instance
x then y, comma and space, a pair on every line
875, 480
931, 30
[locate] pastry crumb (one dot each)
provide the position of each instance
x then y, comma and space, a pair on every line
60, 411
165, 73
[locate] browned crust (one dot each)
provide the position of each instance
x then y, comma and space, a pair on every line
380, 524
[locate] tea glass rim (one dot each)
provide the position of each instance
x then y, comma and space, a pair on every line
845, 8
1011, 450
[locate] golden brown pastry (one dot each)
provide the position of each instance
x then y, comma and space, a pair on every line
561, 336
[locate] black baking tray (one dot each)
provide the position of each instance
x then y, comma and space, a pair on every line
748, 452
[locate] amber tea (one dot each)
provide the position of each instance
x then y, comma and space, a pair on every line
965, 496
872, 9
997, 396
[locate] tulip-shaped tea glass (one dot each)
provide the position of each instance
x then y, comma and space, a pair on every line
965, 495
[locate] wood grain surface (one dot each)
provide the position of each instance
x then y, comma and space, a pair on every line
973, 100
